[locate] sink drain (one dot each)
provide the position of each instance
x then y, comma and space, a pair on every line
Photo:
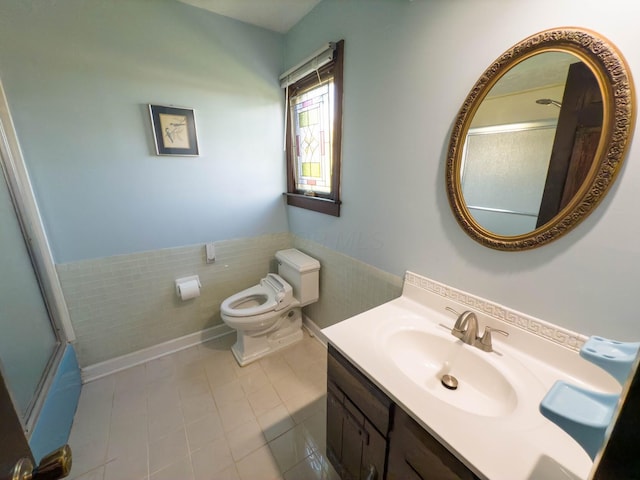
449, 381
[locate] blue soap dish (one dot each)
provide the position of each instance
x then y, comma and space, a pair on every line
614, 357
583, 414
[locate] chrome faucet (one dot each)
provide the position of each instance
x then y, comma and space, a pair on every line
466, 329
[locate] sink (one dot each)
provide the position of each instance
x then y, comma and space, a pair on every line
426, 356
405, 347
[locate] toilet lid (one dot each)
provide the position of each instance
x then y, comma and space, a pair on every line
270, 294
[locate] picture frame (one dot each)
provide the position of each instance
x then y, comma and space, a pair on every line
174, 130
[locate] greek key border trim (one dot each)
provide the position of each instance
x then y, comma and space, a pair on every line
548, 331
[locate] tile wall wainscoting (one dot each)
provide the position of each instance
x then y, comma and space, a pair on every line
123, 307
125, 303
347, 286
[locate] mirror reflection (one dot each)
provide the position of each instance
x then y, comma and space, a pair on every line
531, 143
539, 139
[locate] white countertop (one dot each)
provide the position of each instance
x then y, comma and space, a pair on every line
518, 445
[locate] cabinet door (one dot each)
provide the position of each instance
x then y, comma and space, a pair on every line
363, 448
373, 454
353, 436
414, 454
356, 449
335, 423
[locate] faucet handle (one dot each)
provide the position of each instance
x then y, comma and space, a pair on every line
456, 331
452, 311
485, 342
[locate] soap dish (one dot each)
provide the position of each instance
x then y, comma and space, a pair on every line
583, 414
614, 357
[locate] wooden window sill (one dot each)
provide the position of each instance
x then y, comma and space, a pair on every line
317, 204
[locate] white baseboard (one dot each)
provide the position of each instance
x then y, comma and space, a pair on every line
314, 330
102, 369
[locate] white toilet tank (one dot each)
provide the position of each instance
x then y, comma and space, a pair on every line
302, 272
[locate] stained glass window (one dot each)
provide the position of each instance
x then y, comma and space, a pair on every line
313, 137
311, 128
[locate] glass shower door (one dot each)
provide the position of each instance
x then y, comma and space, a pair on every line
28, 341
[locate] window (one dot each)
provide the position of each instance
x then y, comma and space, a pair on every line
313, 137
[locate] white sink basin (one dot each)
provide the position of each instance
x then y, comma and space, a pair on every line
425, 356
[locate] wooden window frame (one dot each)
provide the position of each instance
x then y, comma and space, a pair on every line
323, 203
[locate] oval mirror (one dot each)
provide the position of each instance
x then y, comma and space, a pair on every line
540, 139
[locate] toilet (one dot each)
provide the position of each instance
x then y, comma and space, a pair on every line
268, 316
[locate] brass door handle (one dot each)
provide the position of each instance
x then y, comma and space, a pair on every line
53, 466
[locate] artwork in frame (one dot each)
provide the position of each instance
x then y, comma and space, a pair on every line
174, 130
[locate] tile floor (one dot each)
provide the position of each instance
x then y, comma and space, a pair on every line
197, 415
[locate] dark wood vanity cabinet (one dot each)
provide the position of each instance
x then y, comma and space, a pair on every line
371, 438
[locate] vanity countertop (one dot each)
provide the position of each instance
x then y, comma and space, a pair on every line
513, 443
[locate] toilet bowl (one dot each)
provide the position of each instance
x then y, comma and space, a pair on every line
259, 307
268, 316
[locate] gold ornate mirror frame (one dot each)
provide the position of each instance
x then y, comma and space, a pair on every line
616, 85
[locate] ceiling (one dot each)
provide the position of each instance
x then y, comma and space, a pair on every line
276, 15
538, 71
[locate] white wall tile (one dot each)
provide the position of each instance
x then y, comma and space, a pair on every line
125, 303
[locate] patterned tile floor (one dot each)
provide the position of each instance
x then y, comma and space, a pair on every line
197, 415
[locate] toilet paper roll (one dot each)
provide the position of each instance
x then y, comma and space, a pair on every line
188, 289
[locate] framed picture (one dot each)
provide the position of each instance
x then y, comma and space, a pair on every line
174, 130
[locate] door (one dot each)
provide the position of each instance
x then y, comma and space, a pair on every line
29, 344
13, 443
16, 460
576, 141
619, 458
28, 341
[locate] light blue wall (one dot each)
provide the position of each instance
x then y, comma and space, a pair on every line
78, 75
408, 67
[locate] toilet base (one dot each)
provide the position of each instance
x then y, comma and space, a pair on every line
252, 346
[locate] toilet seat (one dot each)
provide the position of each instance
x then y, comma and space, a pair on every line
272, 294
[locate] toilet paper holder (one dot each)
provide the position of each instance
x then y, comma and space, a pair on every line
188, 287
